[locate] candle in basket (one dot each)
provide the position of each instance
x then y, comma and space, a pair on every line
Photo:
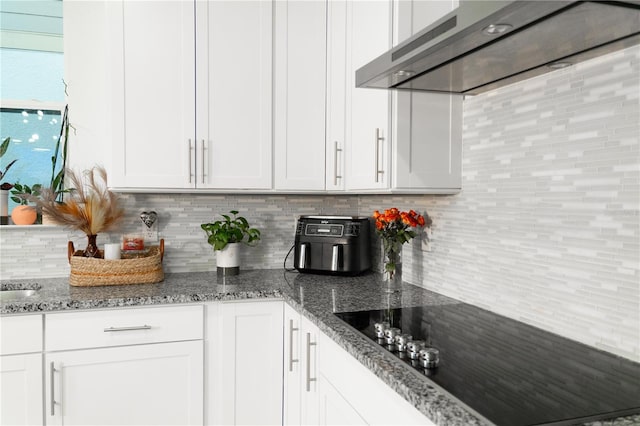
112, 251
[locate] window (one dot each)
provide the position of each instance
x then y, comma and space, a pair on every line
32, 87
34, 133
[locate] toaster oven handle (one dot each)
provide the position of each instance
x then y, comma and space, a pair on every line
302, 259
336, 255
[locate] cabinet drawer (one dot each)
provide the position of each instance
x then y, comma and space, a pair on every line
95, 329
20, 334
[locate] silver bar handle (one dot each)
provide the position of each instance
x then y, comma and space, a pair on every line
291, 330
309, 378
302, 260
335, 256
336, 176
133, 328
377, 159
204, 148
190, 158
52, 400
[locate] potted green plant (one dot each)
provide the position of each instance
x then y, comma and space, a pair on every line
56, 190
226, 236
5, 186
23, 213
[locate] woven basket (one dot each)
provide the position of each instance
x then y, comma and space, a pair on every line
131, 269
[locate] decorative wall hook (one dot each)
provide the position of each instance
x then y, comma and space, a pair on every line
149, 218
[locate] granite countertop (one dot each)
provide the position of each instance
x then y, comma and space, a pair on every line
317, 297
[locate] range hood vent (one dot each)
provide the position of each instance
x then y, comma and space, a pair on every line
483, 45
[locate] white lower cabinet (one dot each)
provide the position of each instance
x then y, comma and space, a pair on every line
150, 366
351, 394
326, 385
334, 409
21, 370
244, 363
300, 370
21, 389
158, 384
141, 366
292, 386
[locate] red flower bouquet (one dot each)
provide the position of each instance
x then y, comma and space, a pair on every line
395, 228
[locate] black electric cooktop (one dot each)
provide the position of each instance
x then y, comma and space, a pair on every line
509, 372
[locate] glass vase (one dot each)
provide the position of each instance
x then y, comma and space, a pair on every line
392, 266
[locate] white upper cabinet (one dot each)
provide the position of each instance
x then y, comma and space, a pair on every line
366, 111
153, 81
191, 94
254, 95
337, 78
233, 94
300, 93
427, 126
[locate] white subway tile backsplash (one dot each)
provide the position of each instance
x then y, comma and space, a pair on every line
555, 244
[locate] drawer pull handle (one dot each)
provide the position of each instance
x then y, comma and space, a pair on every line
336, 176
377, 172
309, 378
291, 330
52, 401
137, 327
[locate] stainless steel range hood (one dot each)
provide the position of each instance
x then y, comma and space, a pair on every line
483, 45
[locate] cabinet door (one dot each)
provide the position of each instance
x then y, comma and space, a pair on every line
334, 408
292, 367
427, 126
247, 378
234, 85
88, 70
350, 393
300, 85
153, 106
337, 87
367, 110
21, 389
310, 408
157, 384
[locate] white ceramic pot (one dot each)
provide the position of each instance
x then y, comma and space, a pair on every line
228, 259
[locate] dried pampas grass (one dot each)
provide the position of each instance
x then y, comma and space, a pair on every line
90, 206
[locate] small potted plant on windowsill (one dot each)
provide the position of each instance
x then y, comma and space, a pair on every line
23, 213
226, 237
